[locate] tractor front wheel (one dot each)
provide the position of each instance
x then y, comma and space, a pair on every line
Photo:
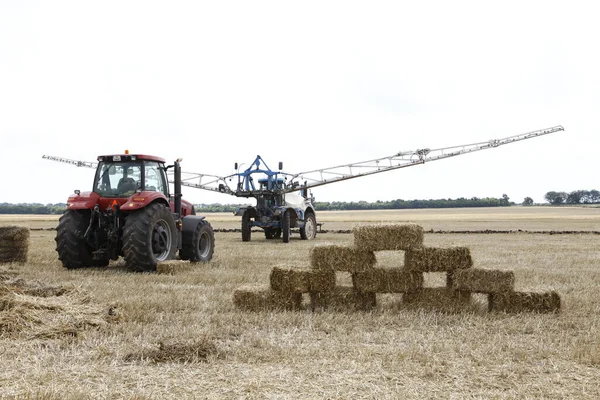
246, 229
203, 243
309, 230
285, 226
149, 237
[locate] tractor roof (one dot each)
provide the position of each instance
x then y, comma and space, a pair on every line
129, 157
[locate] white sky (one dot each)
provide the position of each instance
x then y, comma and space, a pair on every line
313, 84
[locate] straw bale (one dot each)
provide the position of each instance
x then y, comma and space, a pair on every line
290, 280
343, 298
172, 267
483, 280
516, 302
322, 281
439, 299
388, 237
302, 280
259, 298
341, 258
387, 280
14, 244
433, 259
14, 234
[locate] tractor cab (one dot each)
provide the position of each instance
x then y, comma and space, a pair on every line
123, 175
271, 183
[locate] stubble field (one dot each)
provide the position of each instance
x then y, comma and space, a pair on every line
179, 335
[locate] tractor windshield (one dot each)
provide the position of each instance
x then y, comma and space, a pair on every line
122, 179
116, 179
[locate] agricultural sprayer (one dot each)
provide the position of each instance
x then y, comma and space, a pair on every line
283, 200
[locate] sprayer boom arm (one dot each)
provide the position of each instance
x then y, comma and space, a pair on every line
325, 176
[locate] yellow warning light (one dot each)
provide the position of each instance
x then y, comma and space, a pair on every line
126, 151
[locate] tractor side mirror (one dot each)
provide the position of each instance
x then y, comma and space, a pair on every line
235, 166
280, 165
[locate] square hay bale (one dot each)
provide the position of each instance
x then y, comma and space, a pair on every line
343, 298
516, 302
388, 237
259, 298
13, 234
387, 280
437, 299
341, 258
14, 244
173, 267
433, 259
483, 280
302, 280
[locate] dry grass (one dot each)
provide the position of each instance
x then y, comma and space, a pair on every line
392, 351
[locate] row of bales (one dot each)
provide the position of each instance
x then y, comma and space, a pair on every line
319, 280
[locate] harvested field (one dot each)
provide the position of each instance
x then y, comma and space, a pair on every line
212, 349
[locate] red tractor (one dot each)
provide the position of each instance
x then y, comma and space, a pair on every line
131, 213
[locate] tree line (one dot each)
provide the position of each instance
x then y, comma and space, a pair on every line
574, 197
552, 197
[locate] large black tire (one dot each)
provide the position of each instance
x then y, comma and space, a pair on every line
149, 237
246, 229
269, 232
309, 230
203, 243
73, 250
277, 233
285, 226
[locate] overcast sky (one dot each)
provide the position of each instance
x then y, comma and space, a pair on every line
312, 84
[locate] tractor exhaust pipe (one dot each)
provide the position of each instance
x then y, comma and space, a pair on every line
177, 184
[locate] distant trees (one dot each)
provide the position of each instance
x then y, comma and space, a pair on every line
527, 201
574, 197
32, 208
556, 198
410, 204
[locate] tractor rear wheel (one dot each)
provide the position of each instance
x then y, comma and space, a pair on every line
309, 230
203, 243
72, 248
246, 230
149, 237
285, 226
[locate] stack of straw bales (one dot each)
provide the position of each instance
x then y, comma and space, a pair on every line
287, 284
14, 244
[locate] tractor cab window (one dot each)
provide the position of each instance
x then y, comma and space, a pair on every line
118, 179
155, 178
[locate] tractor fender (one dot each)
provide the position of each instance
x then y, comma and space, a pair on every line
141, 200
82, 201
189, 225
239, 211
296, 214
